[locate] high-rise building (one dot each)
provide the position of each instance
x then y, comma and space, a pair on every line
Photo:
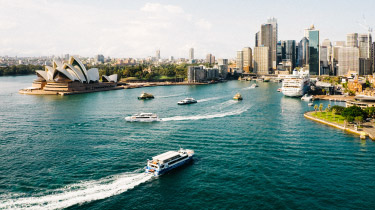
348, 60
303, 52
157, 54
209, 58
279, 52
365, 44
352, 40
261, 60
373, 56
191, 54
290, 51
313, 56
258, 39
247, 59
66, 57
266, 40
325, 57
239, 60
99, 58
273, 22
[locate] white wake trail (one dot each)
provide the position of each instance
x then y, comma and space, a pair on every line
248, 88
169, 96
208, 116
209, 99
79, 193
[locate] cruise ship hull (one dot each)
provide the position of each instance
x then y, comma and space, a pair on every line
163, 171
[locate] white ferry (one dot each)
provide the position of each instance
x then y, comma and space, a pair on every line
143, 117
187, 101
296, 85
168, 161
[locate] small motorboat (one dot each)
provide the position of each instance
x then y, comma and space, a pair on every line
238, 97
146, 96
310, 104
253, 86
279, 90
187, 101
307, 97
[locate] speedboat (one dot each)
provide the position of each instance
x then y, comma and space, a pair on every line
146, 96
167, 161
253, 86
187, 101
310, 104
238, 97
143, 117
307, 97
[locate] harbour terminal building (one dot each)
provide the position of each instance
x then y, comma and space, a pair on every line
69, 78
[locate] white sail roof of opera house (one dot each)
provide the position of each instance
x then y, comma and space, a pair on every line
73, 70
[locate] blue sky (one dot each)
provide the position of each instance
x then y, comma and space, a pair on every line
137, 28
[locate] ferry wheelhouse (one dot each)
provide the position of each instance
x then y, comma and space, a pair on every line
167, 161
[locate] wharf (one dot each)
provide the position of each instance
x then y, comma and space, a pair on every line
368, 128
341, 98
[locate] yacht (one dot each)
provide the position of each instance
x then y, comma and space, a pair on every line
146, 96
167, 161
296, 84
238, 97
187, 101
307, 97
143, 117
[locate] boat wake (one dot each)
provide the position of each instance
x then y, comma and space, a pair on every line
225, 104
208, 116
79, 193
248, 88
209, 99
169, 96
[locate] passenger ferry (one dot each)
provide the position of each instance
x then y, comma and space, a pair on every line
238, 97
143, 117
167, 161
187, 101
296, 85
146, 96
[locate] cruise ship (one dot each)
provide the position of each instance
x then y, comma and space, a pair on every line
296, 84
143, 117
167, 161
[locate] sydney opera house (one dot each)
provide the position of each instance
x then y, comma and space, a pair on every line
69, 78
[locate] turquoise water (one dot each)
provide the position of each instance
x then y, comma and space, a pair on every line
77, 152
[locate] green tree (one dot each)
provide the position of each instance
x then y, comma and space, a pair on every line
358, 120
316, 107
338, 109
320, 107
354, 111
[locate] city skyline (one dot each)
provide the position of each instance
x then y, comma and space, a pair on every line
138, 29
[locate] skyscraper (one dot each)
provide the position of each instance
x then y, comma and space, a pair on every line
266, 40
325, 57
348, 60
247, 59
313, 56
157, 54
210, 59
352, 40
273, 22
191, 54
303, 52
365, 44
290, 51
258, 39
239, 60
261, 60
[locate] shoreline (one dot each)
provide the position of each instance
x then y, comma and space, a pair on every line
367, 132
119, 86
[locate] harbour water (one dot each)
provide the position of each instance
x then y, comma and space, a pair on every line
78, 152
